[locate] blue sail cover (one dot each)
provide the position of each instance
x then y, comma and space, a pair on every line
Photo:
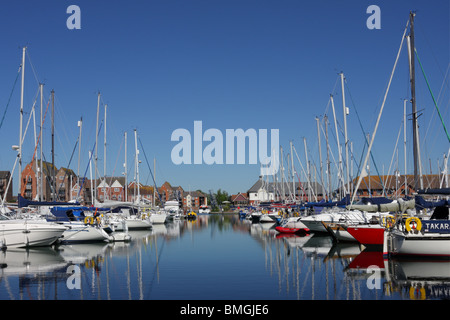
75, 213
25, 202
445, 191
421, 203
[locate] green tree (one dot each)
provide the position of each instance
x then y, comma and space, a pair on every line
221, 197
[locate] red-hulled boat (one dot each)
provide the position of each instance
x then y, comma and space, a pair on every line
290, 230
368, 234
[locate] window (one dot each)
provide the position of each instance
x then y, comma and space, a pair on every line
116, 189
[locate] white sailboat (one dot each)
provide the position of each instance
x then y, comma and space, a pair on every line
415, 236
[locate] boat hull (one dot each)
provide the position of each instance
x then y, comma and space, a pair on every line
432, 245
339, 232
138, 223
29, 234
368, 234
158, 218
290, 230
84, 233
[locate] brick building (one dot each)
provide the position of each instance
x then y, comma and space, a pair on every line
5, 176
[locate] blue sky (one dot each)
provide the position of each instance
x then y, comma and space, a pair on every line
161, 65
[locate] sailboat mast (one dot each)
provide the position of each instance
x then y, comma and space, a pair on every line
307, 169
293, 175
54, 198
320, 157
80, 124
413, 99
125, 168
21, 119
96, 149
340, 174
104, 156
41, 174
345, 132
328, 157
404, 144
137, 167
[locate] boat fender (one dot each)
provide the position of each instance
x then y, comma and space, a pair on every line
89, 220
388, 221
417, 293
416, 225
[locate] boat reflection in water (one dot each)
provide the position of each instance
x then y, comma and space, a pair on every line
181, 260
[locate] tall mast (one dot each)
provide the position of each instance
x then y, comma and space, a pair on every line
307, 169
80, 124
21, 119
338, 144
90, 171
293, 174
413, 99
137, 167
282, 175
328, 157
345, 132
320, 157
96, 150
125, 168
154, 184
41, 174
104, 155
404, 144
54, 198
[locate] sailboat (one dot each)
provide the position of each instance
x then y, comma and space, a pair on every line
415, 236
421, 237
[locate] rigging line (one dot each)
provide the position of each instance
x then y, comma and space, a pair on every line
444, 81
32, 67
381, 110
154, 182
10, 95
39, 137
365, 136
389, 177
29, 118
68, 168
431, 92
117, 159
89, 163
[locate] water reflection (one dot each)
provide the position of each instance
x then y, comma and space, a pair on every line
219, 257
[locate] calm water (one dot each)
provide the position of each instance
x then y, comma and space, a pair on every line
217, 258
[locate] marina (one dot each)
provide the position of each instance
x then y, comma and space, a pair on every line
307, 229
218, 257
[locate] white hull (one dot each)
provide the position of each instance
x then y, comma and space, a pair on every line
79, 232
342, 235
22, 233
136, 223
266, 218
314, 222
158, 218
428, 244
292, 222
